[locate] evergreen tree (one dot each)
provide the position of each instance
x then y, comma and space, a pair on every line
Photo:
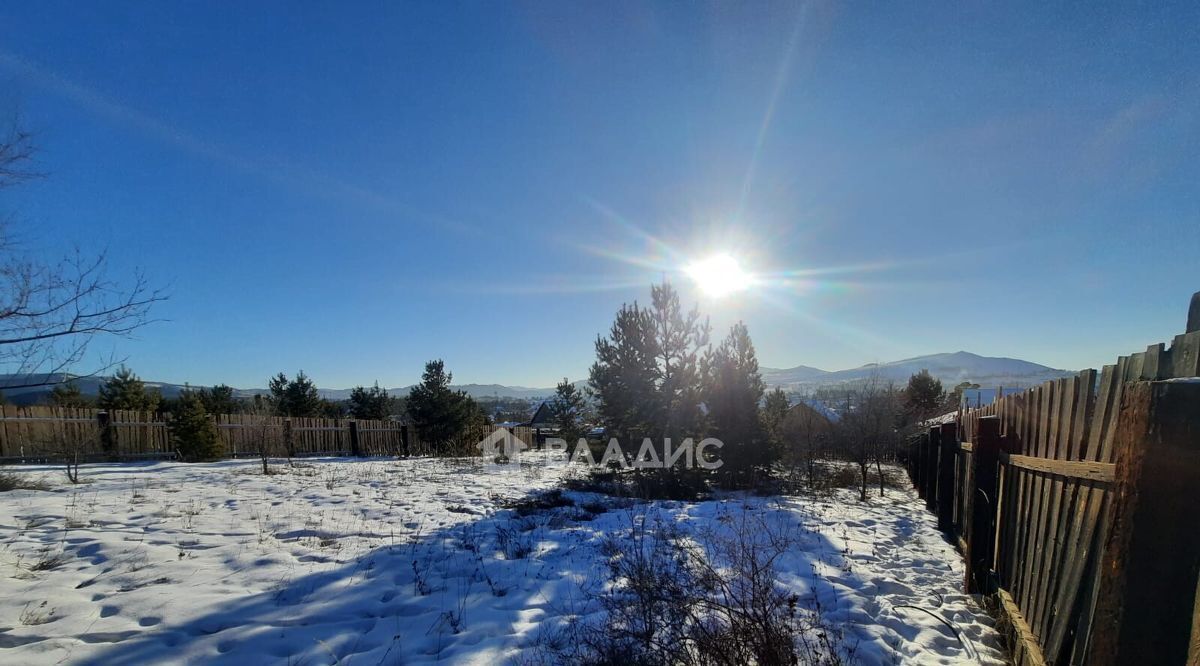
277, 385
476, 414
296, 397
954, 397
68, 394
219, 400
331, 409
439, 413
734, 389
623, 377
370, 403
194, 432
679, 339
125, 390
923, 397
774, 411
567, 411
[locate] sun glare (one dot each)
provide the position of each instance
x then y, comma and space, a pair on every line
719, 275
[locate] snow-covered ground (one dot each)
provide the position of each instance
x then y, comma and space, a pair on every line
384, 561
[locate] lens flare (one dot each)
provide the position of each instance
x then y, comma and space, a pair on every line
719, 275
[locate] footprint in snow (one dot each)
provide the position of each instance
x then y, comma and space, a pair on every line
884, 586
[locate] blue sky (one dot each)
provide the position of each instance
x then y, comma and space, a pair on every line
355, 188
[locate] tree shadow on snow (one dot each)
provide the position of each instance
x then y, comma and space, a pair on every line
476, 591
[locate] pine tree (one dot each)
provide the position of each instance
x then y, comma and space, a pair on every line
954, 398
623, 378
68, 395
370, 403
647, 384
194, 432
296, 397
277, 385
219, 400
734, 389
439, 413
125, 390
679, 340
567, 411
924, 396
774, 411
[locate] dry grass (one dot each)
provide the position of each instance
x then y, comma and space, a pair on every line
13, 481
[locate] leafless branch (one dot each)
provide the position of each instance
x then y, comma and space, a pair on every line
16, 155
51, 312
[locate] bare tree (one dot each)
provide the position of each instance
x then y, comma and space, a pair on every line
69, 441
867, 428
51, 311
263, 431
805, 433
16, 155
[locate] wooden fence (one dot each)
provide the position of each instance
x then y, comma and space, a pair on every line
36, 434
1075, 504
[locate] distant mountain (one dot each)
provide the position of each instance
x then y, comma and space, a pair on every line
797, 375
90, 386
951, 369
495, 391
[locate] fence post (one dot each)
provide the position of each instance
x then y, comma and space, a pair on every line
933, 448
1148, 567
404, 440
945, 484
985, 465
921, 449
1194, 648
288, 443
107, 443
354, 448
1193, 323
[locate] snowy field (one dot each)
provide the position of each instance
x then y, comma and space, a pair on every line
415, 561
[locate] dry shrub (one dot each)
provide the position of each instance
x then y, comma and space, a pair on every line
13, 481
712, 599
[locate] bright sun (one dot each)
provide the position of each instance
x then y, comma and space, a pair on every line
719, 275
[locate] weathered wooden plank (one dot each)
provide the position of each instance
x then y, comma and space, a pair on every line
1025, 479
1059, 407
984, 463
1144, 606
1072, 469
1077, 513
1026, 595
1025, 641
1078, 585
1110, 425
1152, 365
1185, 355
1015, 508
1073, 400
1080, 640
1194, 647
948, 437
1193, 318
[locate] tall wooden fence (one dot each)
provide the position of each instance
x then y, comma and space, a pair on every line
1076, 505
36, 434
